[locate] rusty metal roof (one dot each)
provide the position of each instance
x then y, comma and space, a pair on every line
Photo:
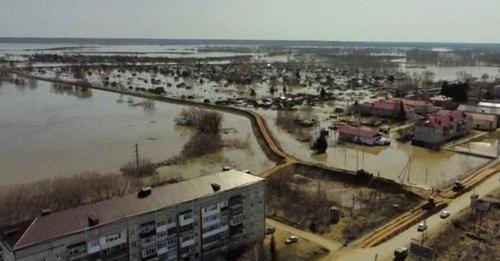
75, 220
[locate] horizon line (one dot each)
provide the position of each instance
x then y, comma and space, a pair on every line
241, 40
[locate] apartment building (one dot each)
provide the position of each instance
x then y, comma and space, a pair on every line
197, 219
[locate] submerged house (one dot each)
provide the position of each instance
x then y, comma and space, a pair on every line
361, 136
434, 131
383, 108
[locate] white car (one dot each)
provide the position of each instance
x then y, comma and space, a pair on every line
291, 240
421, 227
444, 214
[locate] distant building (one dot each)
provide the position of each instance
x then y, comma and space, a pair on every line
483, 118
491, 104
358, 135
443, 127
441, 101
197, 219
383, 108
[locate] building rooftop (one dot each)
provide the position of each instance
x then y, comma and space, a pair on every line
383, 105
75, 220
358, 132
484, 117
479, 109
444, 117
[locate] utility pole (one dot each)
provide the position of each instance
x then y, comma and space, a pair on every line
137, 160
409, 171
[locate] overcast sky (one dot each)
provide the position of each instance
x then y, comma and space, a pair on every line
356, 20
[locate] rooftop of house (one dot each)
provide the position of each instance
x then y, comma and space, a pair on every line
70, 221
440, 98
443, 118
364, 133
383, 105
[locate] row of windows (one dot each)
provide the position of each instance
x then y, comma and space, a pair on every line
210, 208
187, 238
113, 237
211, 227
210, 218
188, 215
164, 222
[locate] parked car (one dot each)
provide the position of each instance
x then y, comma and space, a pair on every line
421, 227
270, 230
291, 240
401, 253
444, 214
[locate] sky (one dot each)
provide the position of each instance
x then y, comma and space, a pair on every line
476, 21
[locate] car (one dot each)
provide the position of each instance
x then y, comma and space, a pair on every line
444, 214
291, 240
421, 227
270, 230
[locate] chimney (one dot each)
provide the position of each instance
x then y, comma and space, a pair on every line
215, 187
93, 221
144, 192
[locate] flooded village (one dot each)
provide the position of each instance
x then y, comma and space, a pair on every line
338, 131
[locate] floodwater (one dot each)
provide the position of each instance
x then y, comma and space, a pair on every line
451, 73
487, 145
46, 132
171, 51
401, 162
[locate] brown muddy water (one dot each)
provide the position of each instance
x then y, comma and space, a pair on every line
46, 132
401, 162
487, 145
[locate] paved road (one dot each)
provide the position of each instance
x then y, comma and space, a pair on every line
331, 245
435, 224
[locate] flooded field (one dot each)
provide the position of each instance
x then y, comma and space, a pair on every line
401, 162
47, 132
451, 73
487, 145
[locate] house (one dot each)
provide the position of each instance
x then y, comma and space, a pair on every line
441, 101
382, 108
198, 219
361, 136
443, 127
483, 118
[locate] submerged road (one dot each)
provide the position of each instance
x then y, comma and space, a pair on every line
397, 232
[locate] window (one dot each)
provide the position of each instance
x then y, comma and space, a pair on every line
148, 240
187, 238
210, 218
113, 237
161, 234
149, 251
211, 227
161, 223
94, 243
162, 245
172, 231
210, 208
172, 242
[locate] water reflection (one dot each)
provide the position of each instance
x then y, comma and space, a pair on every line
71, 90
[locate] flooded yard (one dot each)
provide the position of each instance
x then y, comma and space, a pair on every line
399, 161
47, 132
